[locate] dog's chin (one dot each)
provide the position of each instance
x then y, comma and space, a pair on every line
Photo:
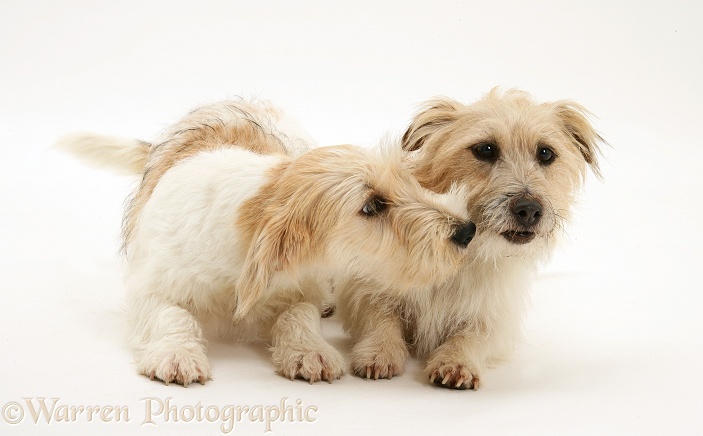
519, 237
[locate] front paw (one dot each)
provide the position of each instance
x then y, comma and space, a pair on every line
451, 373
379, 361
323, 363
178, 365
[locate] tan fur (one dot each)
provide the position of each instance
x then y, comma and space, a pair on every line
237, 229
122, 155
473, 320
284, 233
206, 128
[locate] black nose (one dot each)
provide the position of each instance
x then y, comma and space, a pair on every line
527, 211
464, 234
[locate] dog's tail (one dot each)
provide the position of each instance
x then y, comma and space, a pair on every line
122, 155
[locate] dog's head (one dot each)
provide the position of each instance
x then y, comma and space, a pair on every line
522, 162
348, 210
403, 235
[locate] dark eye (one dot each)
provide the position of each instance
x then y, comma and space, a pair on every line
546, 155
486, 151
374, 205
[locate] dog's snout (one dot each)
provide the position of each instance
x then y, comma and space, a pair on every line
464, 234
527, 211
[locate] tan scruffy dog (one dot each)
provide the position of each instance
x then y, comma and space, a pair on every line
236, 225
522, 164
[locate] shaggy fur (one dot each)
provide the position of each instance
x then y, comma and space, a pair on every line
521, 164
236, 227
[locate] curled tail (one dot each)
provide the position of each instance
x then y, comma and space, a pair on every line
122, 155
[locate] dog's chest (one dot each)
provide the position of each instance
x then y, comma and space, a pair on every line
475, 300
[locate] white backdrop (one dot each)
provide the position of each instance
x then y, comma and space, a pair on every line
614, 335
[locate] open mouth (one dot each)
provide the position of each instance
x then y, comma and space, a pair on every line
519, 237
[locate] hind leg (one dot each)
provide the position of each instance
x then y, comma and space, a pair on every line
169, 342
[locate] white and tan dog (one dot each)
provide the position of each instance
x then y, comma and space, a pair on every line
236, 226
522, 164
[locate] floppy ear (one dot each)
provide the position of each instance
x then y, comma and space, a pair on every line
280, 242
574, 118
435, 114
